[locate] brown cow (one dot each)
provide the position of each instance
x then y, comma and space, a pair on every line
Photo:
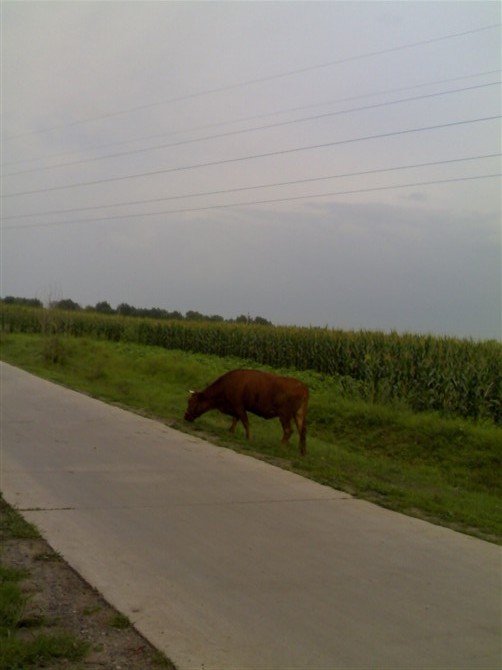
261, 393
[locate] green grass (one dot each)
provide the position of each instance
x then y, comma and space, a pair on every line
17, 654
422, 464
120, 621
12, 525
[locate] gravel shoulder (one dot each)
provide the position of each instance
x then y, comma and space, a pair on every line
59, 600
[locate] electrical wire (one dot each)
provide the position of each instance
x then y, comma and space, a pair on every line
252, 203
259, 80
294, 182
255, 156
260, 116
278, 124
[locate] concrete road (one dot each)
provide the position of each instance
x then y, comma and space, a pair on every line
226, 563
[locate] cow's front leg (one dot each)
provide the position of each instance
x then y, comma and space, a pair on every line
286, 431
245, 422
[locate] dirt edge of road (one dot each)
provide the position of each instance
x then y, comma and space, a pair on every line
63, 602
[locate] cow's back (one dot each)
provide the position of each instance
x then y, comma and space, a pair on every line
262, 393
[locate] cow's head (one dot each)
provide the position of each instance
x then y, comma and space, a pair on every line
196, 405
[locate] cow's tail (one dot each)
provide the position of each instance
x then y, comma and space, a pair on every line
301, 417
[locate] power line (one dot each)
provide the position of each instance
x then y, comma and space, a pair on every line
255, 202
249, 130
258, 80
254, 156
262, 116
252, 188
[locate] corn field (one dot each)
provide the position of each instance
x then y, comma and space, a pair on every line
458, 377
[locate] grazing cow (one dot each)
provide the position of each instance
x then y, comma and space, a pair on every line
261, 393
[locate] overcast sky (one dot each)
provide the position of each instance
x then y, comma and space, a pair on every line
360, 140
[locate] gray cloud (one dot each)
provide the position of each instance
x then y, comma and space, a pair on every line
422, 258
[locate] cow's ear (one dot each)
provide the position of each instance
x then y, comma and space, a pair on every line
192, 392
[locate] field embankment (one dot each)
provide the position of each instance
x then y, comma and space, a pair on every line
441, 468
455, 377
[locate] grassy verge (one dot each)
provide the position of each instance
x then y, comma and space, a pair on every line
26, 640
443, 470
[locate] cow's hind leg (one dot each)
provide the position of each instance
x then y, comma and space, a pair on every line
301, 424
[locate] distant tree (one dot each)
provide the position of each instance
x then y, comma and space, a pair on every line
257, 321
176, 316
104, 307
126, 310
260, 321
27, 302
155, 313
151, 312
66, 304
194, 316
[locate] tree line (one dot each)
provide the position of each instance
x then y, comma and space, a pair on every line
124, 309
